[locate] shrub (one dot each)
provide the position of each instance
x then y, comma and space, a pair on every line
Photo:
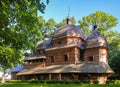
32, 81
108, 82
77, 81
112, 81
67, 81
86, 81
16, 81
43, 81
61, 81
95, 81
52, 81
117, 81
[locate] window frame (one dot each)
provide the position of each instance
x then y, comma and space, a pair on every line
91, 58
52, 59
65, 57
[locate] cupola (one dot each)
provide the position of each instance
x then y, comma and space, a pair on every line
95, 39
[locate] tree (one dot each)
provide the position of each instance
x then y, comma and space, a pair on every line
103, 20
49, 27
114, 52
19, 29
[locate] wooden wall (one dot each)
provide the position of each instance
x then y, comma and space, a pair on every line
66, 41
103, 55
91, 52
59, 42
34, 65
99, 54
59, 56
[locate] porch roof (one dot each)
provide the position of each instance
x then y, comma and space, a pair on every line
83, 67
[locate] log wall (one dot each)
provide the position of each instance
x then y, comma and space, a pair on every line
59, 56
94, 52
99, 54
103, 55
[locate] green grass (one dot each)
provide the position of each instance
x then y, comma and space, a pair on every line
55, 85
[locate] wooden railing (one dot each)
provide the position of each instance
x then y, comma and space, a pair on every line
34, 65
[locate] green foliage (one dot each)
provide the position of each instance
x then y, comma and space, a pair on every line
55, 85
68, 81
16, 81
19, 29
117, 82
49, 28
113, 39
110, 81
103, 20
95, 82
77, 82
86, 81
8, 57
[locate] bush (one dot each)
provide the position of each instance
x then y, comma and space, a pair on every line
67, 81
32, 81
96, 82
16, 81
108, 82
77, 81
43, 81
117, 81
51, 81
61, 81
86, 81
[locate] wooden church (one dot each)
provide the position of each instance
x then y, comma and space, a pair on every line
69, 56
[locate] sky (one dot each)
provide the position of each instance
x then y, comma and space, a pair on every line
58, 9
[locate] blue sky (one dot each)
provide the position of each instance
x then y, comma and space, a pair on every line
58, 9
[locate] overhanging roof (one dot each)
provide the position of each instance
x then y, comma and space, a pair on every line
84, 67
34, 57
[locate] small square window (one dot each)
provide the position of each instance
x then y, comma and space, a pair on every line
65, 57
59, 42
91, 58
52, 59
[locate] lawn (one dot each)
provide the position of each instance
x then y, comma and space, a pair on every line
55, 85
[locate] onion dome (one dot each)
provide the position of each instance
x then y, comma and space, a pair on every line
96, 39
69, 30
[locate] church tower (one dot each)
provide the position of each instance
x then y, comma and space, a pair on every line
96, 47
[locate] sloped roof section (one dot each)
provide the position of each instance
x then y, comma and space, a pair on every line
84, 67
17, 68
34, 57
44, 44
96, 40
69, 30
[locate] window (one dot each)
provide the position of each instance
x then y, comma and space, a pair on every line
65, 57
40, 60
91, 58
59, 42
52, 59
81, 55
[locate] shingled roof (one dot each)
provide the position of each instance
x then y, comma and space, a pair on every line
83, 67
95, 40
44, 44
34, 57
69, 30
